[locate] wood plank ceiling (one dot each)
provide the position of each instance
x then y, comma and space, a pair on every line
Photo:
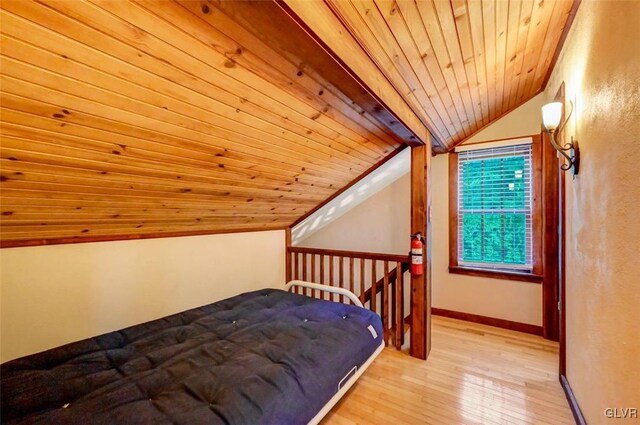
142, 117
459, 64
137, 118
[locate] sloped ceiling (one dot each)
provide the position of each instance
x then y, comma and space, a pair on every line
371, 184
136, 118
458, 64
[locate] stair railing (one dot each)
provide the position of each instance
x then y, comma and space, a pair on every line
358, 272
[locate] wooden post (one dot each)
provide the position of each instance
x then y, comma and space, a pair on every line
313, 274
398, 317
421, 285
550, 241
341, 276
362, 290
374, 287
330, 294
351, 288
304, 272
385, 303
287, 254
322, 275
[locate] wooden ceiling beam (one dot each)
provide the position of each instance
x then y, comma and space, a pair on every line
481, 58
322, 43
405, 23
366, 23
226, 36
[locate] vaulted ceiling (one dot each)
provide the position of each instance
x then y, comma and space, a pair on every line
458, 64
141, 117
124, 118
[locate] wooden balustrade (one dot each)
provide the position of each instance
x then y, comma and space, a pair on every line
357, 272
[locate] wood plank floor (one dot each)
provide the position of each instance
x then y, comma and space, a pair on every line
475, 374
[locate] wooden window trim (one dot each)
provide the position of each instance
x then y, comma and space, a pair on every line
496, 274
536, 274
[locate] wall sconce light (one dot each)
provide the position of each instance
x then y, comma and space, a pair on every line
551, 116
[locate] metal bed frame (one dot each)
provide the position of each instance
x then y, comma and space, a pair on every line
352, 376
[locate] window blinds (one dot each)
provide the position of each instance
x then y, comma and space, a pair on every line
495, 208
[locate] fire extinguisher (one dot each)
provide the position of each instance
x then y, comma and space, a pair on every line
417, 246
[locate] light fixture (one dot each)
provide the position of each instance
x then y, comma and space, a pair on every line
551, 117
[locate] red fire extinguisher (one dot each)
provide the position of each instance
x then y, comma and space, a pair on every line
417, 245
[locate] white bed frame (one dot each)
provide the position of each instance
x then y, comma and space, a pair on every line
351, 377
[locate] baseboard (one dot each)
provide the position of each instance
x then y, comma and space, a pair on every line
573, 403
484, 320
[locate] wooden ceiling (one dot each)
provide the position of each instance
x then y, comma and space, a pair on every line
459, 64
140, 118
137, 118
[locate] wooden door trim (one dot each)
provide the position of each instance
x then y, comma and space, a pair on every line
553, 241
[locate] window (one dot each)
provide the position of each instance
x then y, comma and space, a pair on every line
494, 208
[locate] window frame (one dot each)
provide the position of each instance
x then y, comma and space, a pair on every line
535, 276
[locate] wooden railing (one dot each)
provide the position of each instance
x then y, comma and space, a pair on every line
358, 272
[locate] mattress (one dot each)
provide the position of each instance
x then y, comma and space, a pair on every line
263, 357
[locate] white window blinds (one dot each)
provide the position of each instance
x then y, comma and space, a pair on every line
495, 208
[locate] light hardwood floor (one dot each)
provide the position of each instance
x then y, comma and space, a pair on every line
475, 374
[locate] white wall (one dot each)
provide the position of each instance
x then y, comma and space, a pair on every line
52, 295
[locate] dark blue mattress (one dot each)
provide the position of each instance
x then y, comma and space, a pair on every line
264, 357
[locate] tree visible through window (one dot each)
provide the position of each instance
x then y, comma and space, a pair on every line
495, 208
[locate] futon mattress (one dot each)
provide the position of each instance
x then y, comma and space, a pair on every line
264, 357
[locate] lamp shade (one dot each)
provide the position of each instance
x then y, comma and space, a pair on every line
551, 114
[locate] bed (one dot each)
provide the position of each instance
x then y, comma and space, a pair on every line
263, 357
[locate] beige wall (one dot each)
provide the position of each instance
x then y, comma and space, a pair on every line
372, 184
522, 121
52, 295
600, 65
379, 224
502, 299
382, 224
498, 298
